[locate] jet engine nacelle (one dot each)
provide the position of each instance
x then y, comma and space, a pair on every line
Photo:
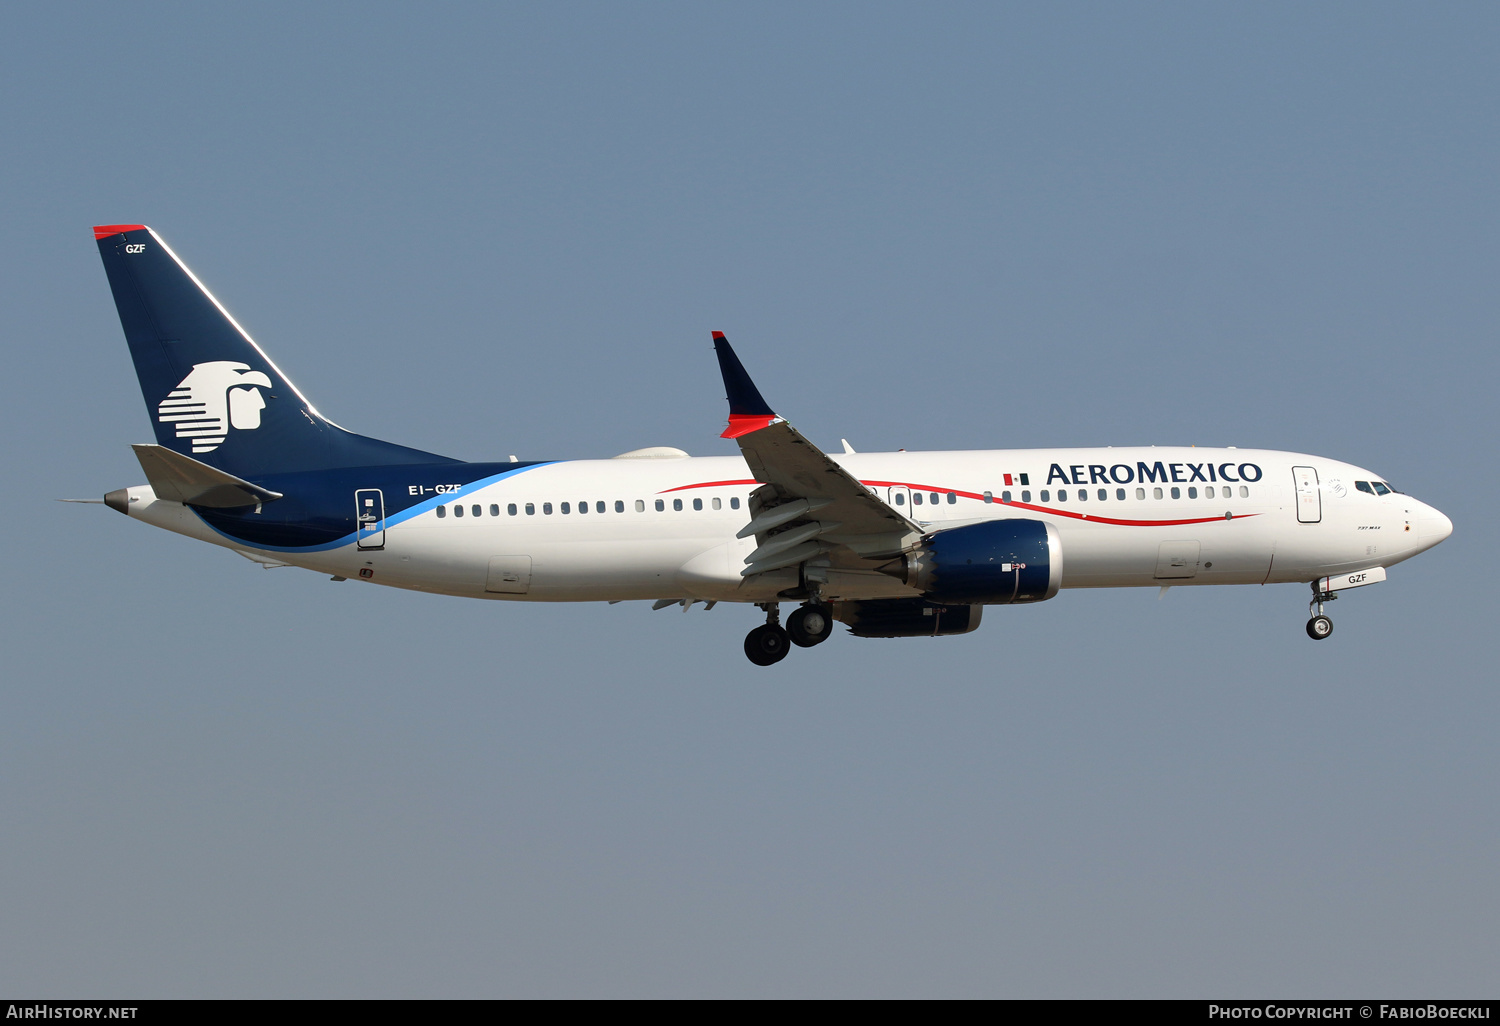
906, 618
998, 562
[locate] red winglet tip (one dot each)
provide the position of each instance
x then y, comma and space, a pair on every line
719, 335
743, 424
104, 231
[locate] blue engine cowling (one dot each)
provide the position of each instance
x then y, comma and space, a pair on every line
998, 562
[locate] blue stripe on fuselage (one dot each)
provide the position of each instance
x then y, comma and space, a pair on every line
317, 513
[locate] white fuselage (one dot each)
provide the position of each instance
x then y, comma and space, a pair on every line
1202, 516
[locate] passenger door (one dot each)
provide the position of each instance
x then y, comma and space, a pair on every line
1309, 499
369, 518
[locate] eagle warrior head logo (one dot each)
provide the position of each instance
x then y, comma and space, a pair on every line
213, 398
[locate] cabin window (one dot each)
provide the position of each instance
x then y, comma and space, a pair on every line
677, 504
1381, 488
599, 506
640, 505
1193, 492
900, 499
1364, 486
1083, 495
1005, 496
477, 510
1062, 495
1244, 492
495, 509
952, 498
1045, 495
458, 510
1176, 493
718, 503
1156, 493
933, 498
697, 504
989, 496
916, 498
442, 511
734, 502
583, 507
1025, 496
511, 509
546, 509
531, 509
566, 509
1140, 493
1103, 494
660, 505
1208, 493
619, 506
1120, 494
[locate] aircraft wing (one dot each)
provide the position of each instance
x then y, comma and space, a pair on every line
808, 507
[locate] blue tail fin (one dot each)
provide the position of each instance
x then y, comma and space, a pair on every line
211, 393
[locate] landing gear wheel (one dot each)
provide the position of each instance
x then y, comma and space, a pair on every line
1319, 627
767, 644
809, 625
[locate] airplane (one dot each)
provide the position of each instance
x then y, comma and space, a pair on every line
891, 544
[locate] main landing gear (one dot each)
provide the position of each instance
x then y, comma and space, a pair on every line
810, 625
769, 643
1320, 626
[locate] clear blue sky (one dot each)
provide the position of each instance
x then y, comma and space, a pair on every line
489, 229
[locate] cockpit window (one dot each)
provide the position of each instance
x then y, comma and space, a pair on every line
1364, 486
1381, 488
1392, 487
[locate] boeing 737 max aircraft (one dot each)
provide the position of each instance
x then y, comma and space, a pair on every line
895, 544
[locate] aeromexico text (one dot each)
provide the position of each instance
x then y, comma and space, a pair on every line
1168, 473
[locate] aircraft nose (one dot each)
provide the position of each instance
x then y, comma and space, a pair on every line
1433, 527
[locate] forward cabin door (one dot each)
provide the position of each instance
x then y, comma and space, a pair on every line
1309, 500
369, 518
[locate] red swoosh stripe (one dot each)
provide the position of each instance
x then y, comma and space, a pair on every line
1091, 518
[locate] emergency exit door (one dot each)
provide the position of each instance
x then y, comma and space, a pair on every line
1309, 499
369, 518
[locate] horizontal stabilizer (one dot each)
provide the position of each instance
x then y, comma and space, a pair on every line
180, 478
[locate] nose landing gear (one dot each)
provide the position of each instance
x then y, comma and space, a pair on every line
1320, 626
